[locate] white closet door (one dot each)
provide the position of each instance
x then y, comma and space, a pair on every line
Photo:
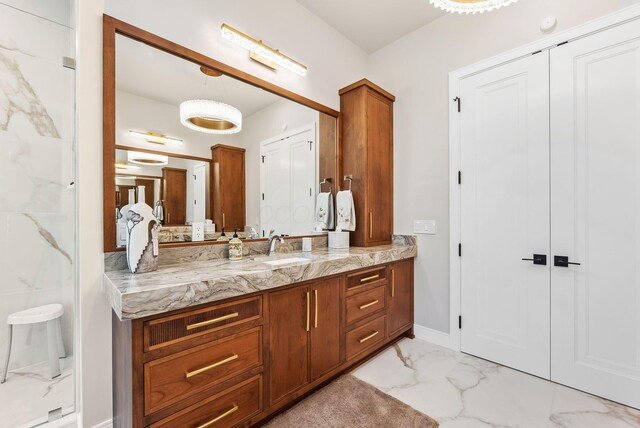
505, 214
303, 177
595, 217
276, 188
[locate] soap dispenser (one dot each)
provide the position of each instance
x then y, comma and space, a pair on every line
223, 237
235, 247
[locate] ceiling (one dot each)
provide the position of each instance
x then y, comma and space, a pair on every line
373, 24
151, 73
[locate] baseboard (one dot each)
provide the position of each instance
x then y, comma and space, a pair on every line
432, 336
105, 424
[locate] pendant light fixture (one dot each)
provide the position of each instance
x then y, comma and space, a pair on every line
149, 159
470, 6
209, 116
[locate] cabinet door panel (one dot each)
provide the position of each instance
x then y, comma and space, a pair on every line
325, 331
400, 296
380, 170
289, 315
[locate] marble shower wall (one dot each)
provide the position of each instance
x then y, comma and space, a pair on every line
37, 205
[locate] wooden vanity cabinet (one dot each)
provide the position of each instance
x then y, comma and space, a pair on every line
228, 187
304, 335
240, 361
367, 155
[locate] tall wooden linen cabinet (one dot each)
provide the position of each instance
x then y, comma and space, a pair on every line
367, 156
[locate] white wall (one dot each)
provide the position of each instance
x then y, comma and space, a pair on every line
95, 312
263, 125
415, 69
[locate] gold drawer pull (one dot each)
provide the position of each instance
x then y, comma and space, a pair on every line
224, 415
370, 225
369, 278
365, 306
213, 321
212, 366
315, 321
308, 310
372, 335
393, 283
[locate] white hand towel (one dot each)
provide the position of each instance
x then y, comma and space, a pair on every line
324, 212
346, 211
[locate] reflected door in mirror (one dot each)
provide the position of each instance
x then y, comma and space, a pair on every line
174, 194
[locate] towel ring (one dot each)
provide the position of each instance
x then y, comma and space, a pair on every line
327, 181
348, 178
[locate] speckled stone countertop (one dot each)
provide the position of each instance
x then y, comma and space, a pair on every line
178, 286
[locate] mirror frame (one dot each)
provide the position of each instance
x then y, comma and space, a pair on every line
112, 27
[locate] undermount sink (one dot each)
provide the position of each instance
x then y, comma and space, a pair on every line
290, 260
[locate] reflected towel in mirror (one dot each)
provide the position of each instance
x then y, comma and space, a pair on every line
324, 212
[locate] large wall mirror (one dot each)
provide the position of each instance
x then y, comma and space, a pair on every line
258, 166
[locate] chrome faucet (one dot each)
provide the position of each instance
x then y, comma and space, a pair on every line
272, 242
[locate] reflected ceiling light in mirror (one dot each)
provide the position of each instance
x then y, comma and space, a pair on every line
125, 166
150, 159
262, 52
210, 116
156, 138
470, 6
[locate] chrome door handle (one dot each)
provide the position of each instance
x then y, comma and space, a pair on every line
538, 259
563, 261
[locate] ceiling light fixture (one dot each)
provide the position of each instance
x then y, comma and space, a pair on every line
149, 159
209, 116
470, 6
156, 138
262, 53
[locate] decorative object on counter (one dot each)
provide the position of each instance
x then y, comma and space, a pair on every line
158, 211
223, 237
307, 244
121, 227
197, 232
346, 208
252, 233
338, 240
324, 212
235, 247
470, 6
142, 237
209, 226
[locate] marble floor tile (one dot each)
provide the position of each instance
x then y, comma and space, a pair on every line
461, 391
29, 394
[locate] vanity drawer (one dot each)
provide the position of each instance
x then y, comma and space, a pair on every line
226, 409
170, 379
169, 330
366, 336
363, 304
361, 281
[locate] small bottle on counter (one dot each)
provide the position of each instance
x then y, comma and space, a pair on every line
235, 247
223, 237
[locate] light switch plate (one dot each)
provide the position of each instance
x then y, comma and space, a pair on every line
197, 232
424, 226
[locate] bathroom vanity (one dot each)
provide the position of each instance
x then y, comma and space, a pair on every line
208, 342
269, 333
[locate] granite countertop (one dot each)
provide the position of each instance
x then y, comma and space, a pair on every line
183, 285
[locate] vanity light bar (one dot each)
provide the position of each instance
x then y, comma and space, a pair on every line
258, 48
153, 137
125, 166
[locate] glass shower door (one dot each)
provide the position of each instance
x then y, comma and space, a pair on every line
37, 211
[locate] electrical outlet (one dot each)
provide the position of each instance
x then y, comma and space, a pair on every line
197, 232
424, 226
